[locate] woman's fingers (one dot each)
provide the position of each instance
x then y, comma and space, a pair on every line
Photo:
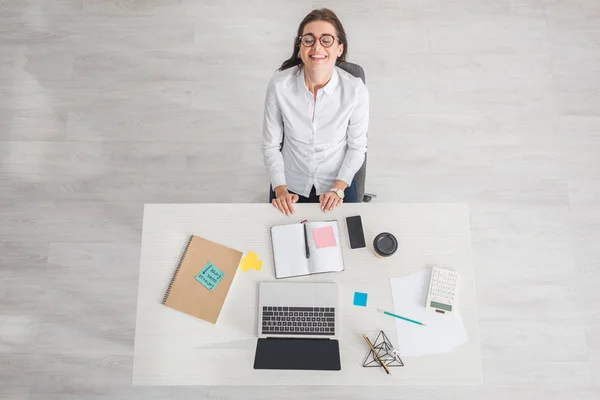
324, 200
284, 206
334, 202
290, 205
279, 205
330, 201
285, 203
327, 202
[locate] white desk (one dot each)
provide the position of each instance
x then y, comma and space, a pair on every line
172, 348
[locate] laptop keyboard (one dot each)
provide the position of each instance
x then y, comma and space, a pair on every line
298, 321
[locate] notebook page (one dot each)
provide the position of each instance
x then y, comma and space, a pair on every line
326, 259
289, 252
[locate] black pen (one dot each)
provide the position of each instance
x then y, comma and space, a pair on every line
306, 241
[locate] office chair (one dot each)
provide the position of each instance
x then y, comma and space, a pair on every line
361, 176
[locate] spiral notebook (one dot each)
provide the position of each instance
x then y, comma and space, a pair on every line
202, 279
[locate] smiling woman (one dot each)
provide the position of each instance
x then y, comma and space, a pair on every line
323, 112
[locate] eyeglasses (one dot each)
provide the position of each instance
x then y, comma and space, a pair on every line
326, 40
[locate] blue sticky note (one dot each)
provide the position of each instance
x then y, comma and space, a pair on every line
210, 276
360, 299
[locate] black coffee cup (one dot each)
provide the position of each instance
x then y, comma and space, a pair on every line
385, 244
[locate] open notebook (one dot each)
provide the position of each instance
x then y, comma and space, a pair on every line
290, 253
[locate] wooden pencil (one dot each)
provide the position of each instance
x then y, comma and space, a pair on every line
376, 355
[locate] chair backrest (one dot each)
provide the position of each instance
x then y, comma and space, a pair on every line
361, 176
353, 69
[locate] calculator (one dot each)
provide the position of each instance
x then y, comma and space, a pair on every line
443, 293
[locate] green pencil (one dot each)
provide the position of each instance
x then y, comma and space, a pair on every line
397, 316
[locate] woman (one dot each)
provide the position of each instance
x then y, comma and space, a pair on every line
324, 113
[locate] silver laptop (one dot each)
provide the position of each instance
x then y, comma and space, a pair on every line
298, 309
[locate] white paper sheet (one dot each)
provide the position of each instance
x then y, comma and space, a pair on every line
442, 333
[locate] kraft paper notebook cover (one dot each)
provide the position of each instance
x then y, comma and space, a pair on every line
187, 294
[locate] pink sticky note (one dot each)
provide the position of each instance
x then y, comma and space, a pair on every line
324, 237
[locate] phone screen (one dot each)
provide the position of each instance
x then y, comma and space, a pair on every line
355, 232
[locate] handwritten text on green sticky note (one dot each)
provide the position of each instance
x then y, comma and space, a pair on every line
210, 276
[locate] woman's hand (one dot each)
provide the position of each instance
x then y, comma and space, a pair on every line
284, 200
329, 201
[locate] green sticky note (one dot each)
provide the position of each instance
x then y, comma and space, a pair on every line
210, 276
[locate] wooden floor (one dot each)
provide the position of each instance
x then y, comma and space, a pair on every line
109, 104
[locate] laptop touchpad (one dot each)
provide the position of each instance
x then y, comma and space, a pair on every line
311, 354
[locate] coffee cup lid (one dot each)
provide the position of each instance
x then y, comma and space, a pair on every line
386, 244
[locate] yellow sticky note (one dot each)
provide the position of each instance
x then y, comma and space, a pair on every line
251, 261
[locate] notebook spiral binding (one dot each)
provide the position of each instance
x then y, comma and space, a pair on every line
187, 246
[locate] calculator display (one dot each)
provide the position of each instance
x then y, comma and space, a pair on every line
441, 306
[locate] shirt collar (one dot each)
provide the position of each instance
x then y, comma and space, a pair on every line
327, 89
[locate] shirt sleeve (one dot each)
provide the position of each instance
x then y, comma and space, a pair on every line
357, 137
272, 137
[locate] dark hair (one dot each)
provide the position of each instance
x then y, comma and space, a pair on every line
322, 14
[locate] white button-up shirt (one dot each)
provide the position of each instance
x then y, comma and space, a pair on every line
316, 151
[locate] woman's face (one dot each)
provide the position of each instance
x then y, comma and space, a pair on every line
318, 56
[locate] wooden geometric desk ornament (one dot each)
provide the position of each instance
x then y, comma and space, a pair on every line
384, 352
